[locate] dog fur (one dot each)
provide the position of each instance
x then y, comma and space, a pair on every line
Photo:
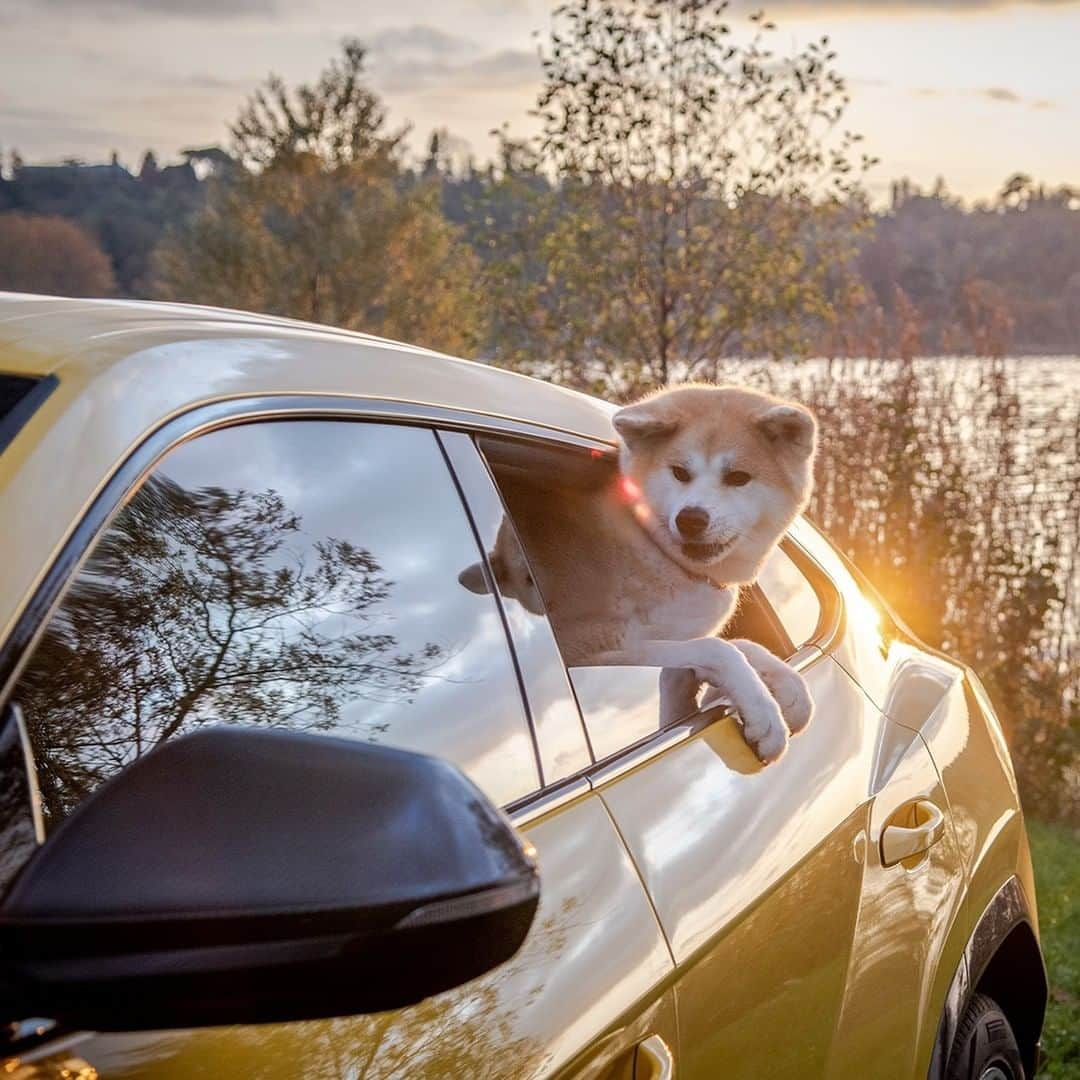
648, 572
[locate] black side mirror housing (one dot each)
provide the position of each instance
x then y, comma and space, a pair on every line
241, 876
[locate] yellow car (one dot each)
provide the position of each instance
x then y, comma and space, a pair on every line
383, 831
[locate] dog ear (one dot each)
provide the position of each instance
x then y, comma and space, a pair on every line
638, 424
789, 427
474, 579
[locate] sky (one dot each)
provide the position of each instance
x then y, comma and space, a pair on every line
971, 90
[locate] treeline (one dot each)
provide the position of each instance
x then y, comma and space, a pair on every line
934, 276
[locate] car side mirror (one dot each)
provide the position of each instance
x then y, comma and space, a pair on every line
243, 875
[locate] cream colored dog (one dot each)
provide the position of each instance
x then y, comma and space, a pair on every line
648, 574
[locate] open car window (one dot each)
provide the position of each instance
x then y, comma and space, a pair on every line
620, 705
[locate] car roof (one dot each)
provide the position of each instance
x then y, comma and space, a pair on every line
194, 354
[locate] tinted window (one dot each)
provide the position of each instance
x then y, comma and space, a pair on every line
20, 395
560, 735
791, 596
299, 574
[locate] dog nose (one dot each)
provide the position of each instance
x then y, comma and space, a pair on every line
691, 521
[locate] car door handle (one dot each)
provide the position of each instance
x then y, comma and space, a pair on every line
653, 1060
913, 829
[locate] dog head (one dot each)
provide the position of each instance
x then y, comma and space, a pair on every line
512, 574
718, 474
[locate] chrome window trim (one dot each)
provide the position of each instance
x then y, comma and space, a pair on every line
532, 808
831, 620
654, 745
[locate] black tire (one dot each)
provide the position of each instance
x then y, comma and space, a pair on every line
984, 1043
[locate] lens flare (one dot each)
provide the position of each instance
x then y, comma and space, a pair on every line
630, 490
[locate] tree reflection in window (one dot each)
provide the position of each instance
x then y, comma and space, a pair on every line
199, 606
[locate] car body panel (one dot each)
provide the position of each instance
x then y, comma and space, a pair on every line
905, 914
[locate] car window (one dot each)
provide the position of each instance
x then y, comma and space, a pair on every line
19, 824
792, 597
541, 484
295, 574
560, 735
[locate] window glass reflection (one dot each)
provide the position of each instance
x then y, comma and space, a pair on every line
791, 596
18, 832
299, 574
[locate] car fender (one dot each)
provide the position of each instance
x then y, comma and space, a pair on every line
1001, 958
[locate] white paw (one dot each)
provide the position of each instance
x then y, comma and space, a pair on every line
764, 730
793, 696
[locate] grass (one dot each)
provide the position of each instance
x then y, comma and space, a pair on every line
1055, 850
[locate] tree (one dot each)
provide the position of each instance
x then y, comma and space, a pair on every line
149, 171
195, 608
321, 223
704, 194
338, 120
46, 254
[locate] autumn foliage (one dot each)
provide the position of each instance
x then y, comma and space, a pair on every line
46, 254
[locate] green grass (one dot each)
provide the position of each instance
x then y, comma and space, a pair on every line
1055, 850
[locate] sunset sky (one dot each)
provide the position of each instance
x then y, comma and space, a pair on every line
972, 90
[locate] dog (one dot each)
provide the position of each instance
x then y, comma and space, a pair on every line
648, 572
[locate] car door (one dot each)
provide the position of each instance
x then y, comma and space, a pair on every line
303, 573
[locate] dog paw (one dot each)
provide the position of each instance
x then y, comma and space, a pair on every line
793, 697
764, 730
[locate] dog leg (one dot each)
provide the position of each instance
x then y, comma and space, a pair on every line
785, 684
678, 694
720, 664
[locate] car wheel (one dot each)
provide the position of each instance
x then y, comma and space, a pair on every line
985, 1047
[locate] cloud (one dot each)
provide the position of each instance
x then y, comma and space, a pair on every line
1000, 94
68, 134
416, 58
181, 8
417, 40
214, 83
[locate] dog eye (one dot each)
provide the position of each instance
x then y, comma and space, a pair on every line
736, 478
680, 474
